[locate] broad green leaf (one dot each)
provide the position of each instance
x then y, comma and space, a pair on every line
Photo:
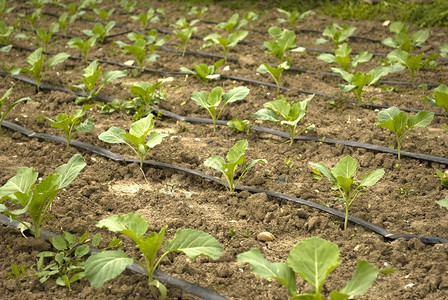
35, 57
237, 151
214, 97
216, 162
200, 98
125, 224
57, 59
345, 183
87, 126
399, 56
194, 243
327, 57
81, 250
371, 178
141, 127
363, 56
112, 75
113, 135
324, 170
254, 162
22, 182
265, 114
345, 167
314, 259
261, 267
364, 276
419, 37
236, 37
377, 73
59, 243
443, 203
150, 245
281, 107
70, 170
235, 94
347, 87
106, 265
344, 74
421, 119
154, 139
440, 94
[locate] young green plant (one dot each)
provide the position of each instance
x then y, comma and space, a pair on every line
39, 66
225, 42
440, 95
312, 259
343, 58
34, 196
400, 123
100, 30
146, 17
140, 138
204, 72
284, 42
286, 113
403, 40
292, 17
211, 101
83, 45
184, 31
413, 63
358, 82
9, 107
68, 262
45, 36
232, 24
235, 158
91, 76
67, 123
275, 72
104, 14
240, 125
342, 179
337, 34
108, 264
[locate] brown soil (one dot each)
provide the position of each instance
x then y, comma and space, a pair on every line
402, 202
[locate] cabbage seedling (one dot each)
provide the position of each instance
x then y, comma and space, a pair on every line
83, 45
37, 13
147, 17
342, 179
443, 176
400, 123
287, 114
143, 47
410, 62
240, 125
235, 157
39, 67
36, 198
285, 41
106, 265
275, 72
342, 57
68, 123
5, 33
211, 101
129, 6
146, 96
440, 95
198, 12
313, 260
91, 75
359, 81
3, 9
204, 72
232, 24
9, 107
337, 34
104, 14
225, 42
100, 30
45, 36
68, 263
293, 16
403, 40
140, 138
185, 31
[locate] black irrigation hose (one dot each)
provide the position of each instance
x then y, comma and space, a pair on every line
372, 147
105, 153
163, 277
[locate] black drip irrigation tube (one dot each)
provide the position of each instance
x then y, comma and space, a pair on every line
430, 240
163, 277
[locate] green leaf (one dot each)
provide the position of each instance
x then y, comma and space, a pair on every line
421, 119
131, 224
113, 135
216, 162
82, 250
113, 75
141, 127
106, 265
194, 243
261, 267
87, 126
22, 182
440, 94
314, 259
265, 114
59, 243
364, 276
443, 203
57, 59
371, 178
237, 151
70, 170
154, 139
235, 94
345, 167
399, 56
324, 170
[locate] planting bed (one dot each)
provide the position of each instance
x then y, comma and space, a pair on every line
403, 201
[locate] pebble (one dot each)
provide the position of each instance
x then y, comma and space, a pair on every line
265, 236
